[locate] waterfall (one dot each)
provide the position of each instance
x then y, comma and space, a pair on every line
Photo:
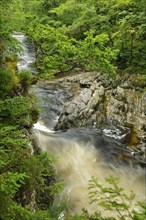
78, 161
80, 153
27, 55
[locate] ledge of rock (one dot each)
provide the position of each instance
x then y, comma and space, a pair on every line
98, 100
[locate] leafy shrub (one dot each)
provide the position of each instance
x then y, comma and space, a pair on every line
58, 53
113, 199
28, 181
18, 111
7, 82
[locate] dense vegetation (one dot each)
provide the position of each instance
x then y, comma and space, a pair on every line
101, 35
28, 181
92, 35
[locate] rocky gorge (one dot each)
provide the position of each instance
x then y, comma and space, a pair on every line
97, 100
95, 127
92, 125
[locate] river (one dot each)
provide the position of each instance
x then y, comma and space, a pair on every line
80, 153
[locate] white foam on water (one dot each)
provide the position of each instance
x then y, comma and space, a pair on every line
41, 127
78, 163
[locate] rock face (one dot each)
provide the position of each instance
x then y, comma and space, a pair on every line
98, 100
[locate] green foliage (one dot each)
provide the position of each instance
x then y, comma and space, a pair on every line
139, 80
42, 181
93, 54
10, 183
25, 81
59, 53
140, 214
18, 111
60, 208
6, 40
13, 151
114, 198
107, 197
28, 181
6, 82
61, 28
66, 25
92, 35
14, 147
55, 49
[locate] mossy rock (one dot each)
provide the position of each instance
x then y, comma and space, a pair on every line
138, 80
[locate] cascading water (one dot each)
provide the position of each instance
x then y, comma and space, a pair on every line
80, 152
26, 56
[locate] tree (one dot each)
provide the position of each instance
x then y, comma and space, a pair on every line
123, 22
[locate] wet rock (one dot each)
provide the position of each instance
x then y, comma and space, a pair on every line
93, 100
85, 96
100, 100
83, 106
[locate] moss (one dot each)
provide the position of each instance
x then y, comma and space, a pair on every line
138, 80
12, 65
132, 138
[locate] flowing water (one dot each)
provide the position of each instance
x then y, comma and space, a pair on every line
27, 55
80, 153
83, 153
